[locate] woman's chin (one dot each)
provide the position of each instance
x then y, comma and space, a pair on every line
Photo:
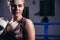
17, 15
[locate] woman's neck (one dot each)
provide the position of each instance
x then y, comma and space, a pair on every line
17, 18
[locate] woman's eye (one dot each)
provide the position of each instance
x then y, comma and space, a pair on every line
13, 8
20, 5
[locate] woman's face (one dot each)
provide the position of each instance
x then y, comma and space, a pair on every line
17, 7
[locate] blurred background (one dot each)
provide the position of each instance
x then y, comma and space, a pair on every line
38, 11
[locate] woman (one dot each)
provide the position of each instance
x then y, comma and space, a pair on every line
25, 29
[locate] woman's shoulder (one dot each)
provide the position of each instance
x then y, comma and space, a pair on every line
28, 20
28, 23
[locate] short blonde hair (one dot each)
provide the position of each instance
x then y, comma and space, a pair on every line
13, 0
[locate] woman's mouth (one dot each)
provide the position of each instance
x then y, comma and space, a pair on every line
17, 12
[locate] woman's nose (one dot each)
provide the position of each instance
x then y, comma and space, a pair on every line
17, 7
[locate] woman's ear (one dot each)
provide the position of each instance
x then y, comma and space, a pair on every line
8, 3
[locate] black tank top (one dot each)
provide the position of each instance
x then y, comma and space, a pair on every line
19, 33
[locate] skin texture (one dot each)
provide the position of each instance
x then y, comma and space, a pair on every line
16, 9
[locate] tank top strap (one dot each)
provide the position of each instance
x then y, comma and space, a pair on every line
22, 21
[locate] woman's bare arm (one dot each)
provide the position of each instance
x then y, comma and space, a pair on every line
30, 29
